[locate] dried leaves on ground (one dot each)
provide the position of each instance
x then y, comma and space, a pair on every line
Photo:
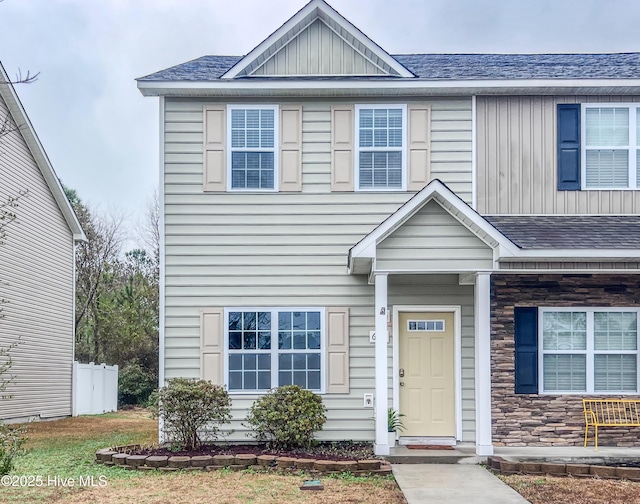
569, 490
63, 451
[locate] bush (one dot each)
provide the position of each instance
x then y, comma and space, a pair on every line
190, 409
11, 440
135, 384
287, 417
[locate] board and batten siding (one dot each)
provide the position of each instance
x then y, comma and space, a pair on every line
433, 240
318, 50
517, 159
230, 249
36, 280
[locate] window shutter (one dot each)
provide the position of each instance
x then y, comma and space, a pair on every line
291, 148
342, 133
526, 354
211, 345
419, 140
215, 155
337, 350
569, 147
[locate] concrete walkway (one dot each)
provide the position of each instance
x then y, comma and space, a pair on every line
452, 484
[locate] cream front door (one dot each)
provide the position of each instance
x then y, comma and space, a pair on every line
426, 346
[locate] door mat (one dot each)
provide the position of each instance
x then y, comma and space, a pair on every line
429, 447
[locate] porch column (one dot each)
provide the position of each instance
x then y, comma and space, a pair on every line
482, 315
381, 397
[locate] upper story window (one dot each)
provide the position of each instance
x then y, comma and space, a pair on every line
380, 147
611, 147
252, 161
592, 350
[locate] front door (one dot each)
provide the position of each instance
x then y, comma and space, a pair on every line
426, 348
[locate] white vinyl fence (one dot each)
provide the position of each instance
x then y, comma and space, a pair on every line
95, 388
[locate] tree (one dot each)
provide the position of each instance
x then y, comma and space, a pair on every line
117, 300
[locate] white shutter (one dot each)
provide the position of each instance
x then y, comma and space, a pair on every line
212, 345
419, 146
291, 148
342, 134
215, 148
337, 329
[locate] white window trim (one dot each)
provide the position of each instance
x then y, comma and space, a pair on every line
631, 147
274, 351
403, 149
589, 351
276, 146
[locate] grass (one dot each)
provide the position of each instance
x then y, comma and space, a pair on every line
65, 449
550, 490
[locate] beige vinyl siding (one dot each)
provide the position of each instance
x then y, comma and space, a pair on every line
318, 50
517, 160
433, 240
36, 278
282, 249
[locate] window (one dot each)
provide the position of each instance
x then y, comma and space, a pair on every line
425, 325
253, 130
589, 350
381, 142
274, 347
611, 146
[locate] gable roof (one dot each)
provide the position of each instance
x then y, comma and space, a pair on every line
310, 13
570, 231
444, 67
19, 115
447, 199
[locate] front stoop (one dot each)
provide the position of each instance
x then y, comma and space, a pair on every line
461, 454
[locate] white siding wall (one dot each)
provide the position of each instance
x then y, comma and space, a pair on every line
36, 278
433, 240
285, 249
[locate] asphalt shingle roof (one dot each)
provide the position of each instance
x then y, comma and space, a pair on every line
570, 231
454, 67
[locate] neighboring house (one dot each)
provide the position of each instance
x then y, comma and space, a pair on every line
36, 272
478, 212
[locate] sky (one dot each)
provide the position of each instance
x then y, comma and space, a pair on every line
101, 134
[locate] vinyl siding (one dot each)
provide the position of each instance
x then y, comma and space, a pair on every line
283, 249
318, 50
517, 165
37, 281
433, 240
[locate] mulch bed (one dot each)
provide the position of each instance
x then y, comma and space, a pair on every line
321, 451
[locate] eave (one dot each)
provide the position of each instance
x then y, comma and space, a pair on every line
372, 87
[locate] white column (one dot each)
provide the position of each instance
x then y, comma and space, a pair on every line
482, 315
381, 397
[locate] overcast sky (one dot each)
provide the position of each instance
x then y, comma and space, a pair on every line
102, 135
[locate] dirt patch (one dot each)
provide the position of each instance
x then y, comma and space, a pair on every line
550, 490
236, 488
321, 451
95, 426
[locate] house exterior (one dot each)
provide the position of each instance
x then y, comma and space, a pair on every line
456, 236
37, 272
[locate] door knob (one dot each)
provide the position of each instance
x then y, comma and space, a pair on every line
402, 384
401, 373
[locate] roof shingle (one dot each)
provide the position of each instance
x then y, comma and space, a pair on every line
570, 231
454, 67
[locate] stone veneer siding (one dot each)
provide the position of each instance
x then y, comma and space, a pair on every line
548, 420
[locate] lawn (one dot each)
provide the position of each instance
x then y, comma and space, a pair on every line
63, 451
550, 490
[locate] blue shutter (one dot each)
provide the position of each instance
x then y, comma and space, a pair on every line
569, 147
526, 358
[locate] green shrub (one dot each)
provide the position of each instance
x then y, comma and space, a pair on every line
192, 411
135, 384
12, 437
287, 417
